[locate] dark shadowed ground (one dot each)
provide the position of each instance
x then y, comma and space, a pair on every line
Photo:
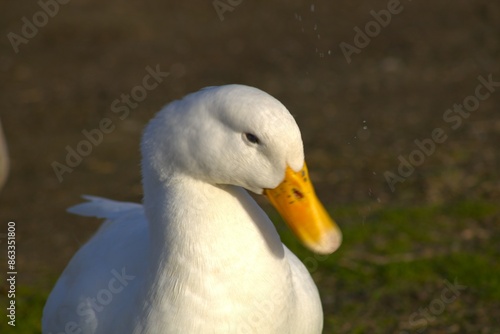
360, 117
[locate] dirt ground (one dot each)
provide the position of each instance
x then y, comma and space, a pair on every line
356, 118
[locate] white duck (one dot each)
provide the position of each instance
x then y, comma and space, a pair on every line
200, 256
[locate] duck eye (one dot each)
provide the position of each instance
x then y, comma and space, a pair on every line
252, 138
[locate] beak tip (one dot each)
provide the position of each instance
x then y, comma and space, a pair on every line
329, 243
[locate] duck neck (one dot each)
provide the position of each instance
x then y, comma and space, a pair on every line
212, 251
194, 222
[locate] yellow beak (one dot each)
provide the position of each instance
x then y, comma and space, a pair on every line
301, 209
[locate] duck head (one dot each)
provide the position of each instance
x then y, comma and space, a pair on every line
239, 135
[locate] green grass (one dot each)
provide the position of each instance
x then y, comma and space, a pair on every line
29, 306
394, 262
392, 265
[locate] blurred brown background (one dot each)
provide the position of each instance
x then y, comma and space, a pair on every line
356, 118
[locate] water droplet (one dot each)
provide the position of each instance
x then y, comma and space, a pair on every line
315, 27
363, 133
312, 8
